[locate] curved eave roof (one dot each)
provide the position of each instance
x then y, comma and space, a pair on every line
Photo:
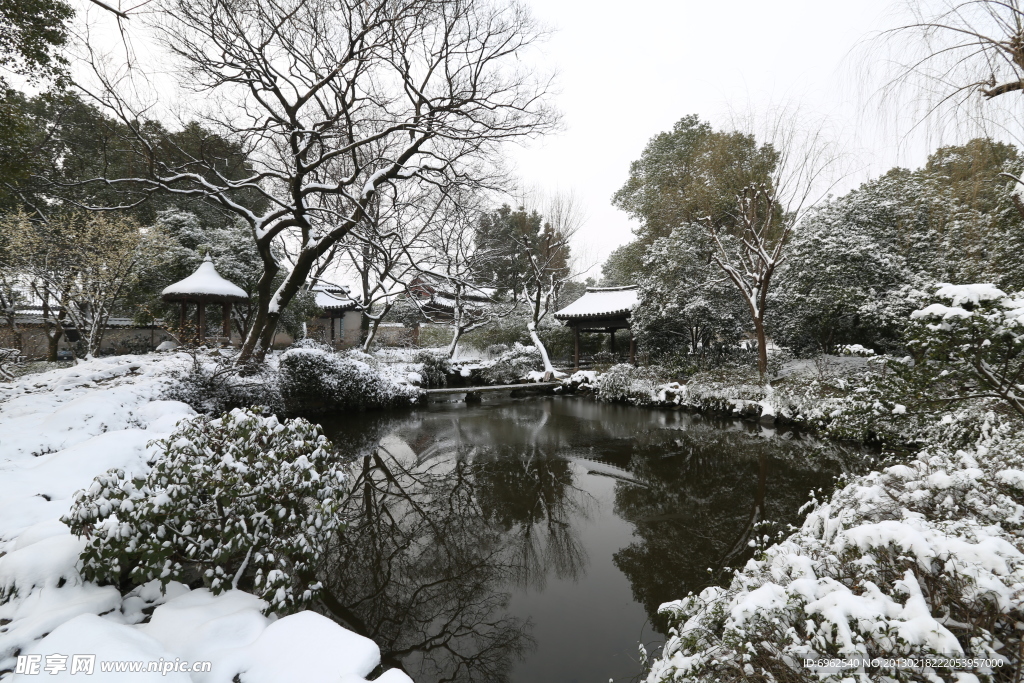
337, 300
601, 302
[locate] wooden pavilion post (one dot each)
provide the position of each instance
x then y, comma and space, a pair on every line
632, 347
576, 344
182, 317
226, 320
202, 322
611, 338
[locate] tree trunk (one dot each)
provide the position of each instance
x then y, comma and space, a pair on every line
264, 291
454, 345
549, 369
52, 342
762, 349
371, 333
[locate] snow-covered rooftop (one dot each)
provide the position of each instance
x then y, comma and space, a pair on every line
334, 298
206, 284
601, 302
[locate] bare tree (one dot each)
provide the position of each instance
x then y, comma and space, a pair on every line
549, 263
389, 250
961, 47
331, 100
952, 51
454, 278
751, 253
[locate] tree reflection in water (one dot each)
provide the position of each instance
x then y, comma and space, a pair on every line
461, 507
702, 506
442, 524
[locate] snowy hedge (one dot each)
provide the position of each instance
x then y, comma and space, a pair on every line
241, 501
434, 368
314, 380
213, 385
923, 558
513, 365
625, 383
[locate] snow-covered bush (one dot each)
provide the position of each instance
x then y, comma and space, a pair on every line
513, 365
241, 501
436, 368
213, 384
925, 558
970, 342
624, 383
856, 350
316, 380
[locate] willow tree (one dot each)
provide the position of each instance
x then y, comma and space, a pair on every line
333, 99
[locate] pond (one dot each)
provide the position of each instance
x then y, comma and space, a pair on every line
533, 539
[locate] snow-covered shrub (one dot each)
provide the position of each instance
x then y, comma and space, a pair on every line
924, 558
970, 342
624, 383
241, 501
513, 365
436, 368
496, 350
315, 380
213, 384
855, 350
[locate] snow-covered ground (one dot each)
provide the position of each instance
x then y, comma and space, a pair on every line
60, 429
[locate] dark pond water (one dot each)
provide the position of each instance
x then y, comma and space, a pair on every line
533, 539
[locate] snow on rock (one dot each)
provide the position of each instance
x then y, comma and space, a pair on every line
304, 647
109, 641
58, 430
44, 564
199, 626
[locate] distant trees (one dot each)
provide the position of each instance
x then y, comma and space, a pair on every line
686, 306
32, 35
332, 101
746, 195
80, 266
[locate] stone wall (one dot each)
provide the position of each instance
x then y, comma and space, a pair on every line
31, 339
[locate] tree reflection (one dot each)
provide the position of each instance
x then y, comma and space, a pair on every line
441, 527
452, 509
702, 506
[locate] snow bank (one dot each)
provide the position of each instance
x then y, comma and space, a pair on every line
922, 558
60, 429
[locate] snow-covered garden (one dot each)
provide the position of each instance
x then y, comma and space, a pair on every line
303, 211
61, 430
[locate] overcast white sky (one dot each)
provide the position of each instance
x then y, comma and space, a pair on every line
628, 70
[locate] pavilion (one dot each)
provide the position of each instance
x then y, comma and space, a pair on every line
205, 286
601, 309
